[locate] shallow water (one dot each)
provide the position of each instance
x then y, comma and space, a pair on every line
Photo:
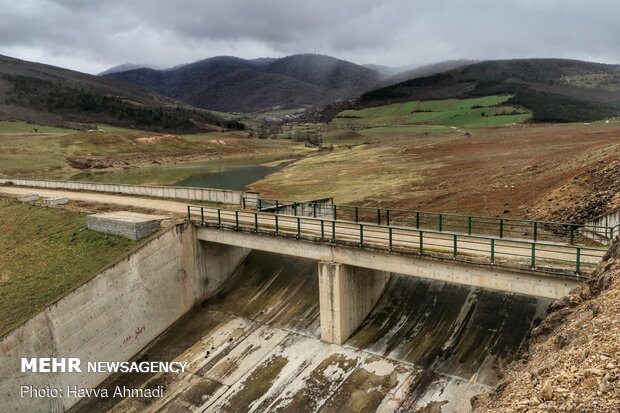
235, 174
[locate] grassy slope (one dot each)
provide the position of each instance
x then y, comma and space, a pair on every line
44, 253
48, 154
473, 113
24, 127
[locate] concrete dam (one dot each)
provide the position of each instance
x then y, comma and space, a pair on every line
255, 346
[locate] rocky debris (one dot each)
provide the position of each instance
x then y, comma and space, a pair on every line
573, 360
592, 193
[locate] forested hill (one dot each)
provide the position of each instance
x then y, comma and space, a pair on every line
555, 90
233, 84
52, 95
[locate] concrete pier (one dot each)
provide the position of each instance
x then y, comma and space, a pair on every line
347, 294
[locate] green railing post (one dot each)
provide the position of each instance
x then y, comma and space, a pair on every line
335, 212
295, 208
440, 222
469, 225
243, 202
202, 215
277, 207
333, 230
390, 238
501, 228
578, 261
260, 204
492, 250
387, 217
572, 234
219, 218
356, 214
533, 261
314, 210
256, 222
236, 220
298, 227
535, 231
417, 219
189, 213
421, 242
276, 217
455, 250
322, 229
361, 235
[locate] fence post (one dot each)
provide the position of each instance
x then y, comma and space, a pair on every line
387, 217
277, 206
333, 231
314, 210
356, 214
390, 238
501, 228
335, 212
572, 234
455, 250
578, 261
295, 208
276, 217
535, 231
260, 204
236, 220
361, 235
189, 213
219, 218
492, 250
378, 216
421, 242
533, 263
469, 225
417, 219
440, 222
243, 202
202, 216
256, 222
298, 227
322, 229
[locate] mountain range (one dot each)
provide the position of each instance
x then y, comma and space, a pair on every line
232, 84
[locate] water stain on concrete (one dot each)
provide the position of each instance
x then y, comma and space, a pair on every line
426, 346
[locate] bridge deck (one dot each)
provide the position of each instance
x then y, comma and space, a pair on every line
539, 256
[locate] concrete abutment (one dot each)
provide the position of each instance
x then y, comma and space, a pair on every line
347, 294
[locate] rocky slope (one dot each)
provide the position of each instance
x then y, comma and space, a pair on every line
573, 360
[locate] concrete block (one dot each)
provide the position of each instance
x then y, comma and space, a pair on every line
27, 197
127, 224
55, 201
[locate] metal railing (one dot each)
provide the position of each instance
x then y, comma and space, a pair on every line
535, 230
535, 255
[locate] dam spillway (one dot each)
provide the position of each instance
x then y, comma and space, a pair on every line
255, 346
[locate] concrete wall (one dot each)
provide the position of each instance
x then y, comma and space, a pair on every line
320, 208
596, 226
347, 294
114, 315
222, 196
494, 277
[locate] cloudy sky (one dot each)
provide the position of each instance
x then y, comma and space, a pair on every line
92, 36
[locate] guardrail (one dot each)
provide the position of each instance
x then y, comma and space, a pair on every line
535, 255
534, 230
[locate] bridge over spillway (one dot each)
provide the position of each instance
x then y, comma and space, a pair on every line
356, 259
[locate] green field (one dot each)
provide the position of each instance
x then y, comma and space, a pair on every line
44, 253
24, 127
468, 113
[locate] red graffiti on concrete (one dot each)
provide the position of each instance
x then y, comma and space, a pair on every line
134, 336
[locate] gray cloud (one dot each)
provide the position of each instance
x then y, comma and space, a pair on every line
94, 35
